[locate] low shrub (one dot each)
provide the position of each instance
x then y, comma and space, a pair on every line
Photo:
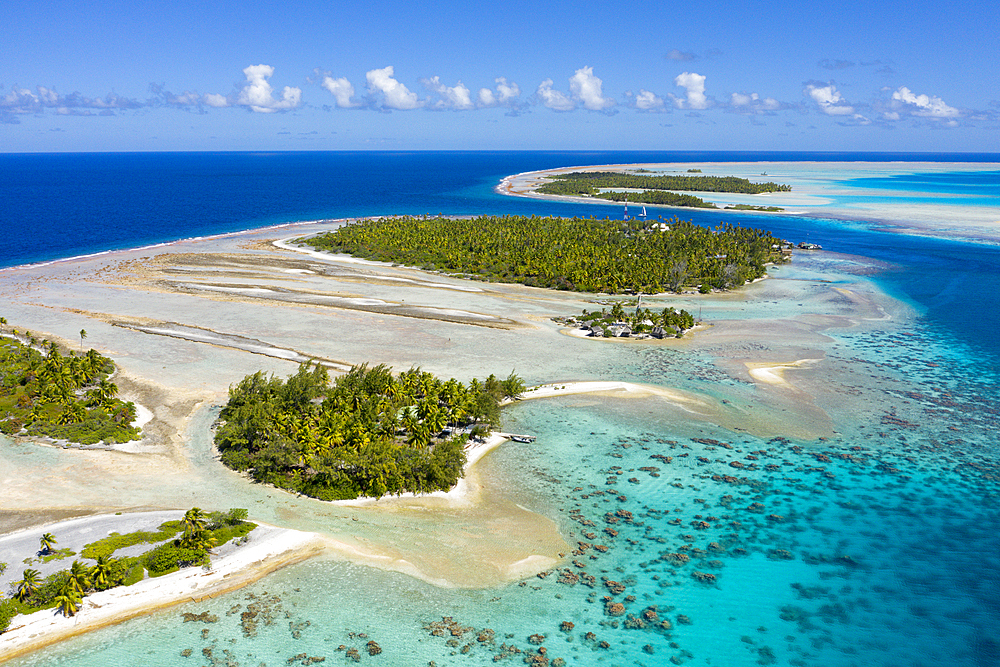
112, 543
168, 558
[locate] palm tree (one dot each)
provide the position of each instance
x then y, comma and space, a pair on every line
28, 584
74, 413
79, 577
68, 599
436, 421
196, 535
419, 436
93, 364
83, 334
101, 572
47, 541
104, 394
202, 539
194, 520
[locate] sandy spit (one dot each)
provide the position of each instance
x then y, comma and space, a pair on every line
269, 549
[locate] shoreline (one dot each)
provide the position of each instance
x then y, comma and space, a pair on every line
482, 549
462, 494
274, 549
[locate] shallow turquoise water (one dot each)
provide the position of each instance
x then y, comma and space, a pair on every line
877, 547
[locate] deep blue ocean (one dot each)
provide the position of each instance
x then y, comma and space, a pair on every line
63, 205
880, 546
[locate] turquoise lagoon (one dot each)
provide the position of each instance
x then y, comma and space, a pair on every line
876, 545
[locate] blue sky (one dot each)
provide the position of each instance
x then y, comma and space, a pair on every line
848, 75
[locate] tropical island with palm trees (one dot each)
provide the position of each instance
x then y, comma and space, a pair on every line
368, 434
642, 187
67, 397
577, 254
175, 544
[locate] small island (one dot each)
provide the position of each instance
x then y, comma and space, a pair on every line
176, 544
67, 397
368, 434
753, 207
643, 188
579, 254
643, 323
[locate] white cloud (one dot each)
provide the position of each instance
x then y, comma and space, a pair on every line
923, 105
257, 94
185, 99
587, 88
508, 92
753, 103
829, 100
216, 100
694, 84
21, 100
456, 97
342, 91
647, 101
486, 98
24, 101
506, 95
554, 99
741, 100
394, 94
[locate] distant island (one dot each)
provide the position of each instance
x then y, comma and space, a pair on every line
45, 393
646, 189
752, 207
368, 434
579, 254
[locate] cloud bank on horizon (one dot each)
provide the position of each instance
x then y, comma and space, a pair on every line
384, 92
521, 75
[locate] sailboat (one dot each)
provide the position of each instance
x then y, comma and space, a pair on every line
643, 212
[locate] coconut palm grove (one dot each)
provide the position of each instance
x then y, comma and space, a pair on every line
45, 392
580, 254
369, 433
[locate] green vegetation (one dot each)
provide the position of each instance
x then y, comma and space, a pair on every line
65, 589
658, 197
581, 254
8, 610
63, 397
50, 555
107, 546
640, 320
369, 434
647, 189
588, 182
750, 207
